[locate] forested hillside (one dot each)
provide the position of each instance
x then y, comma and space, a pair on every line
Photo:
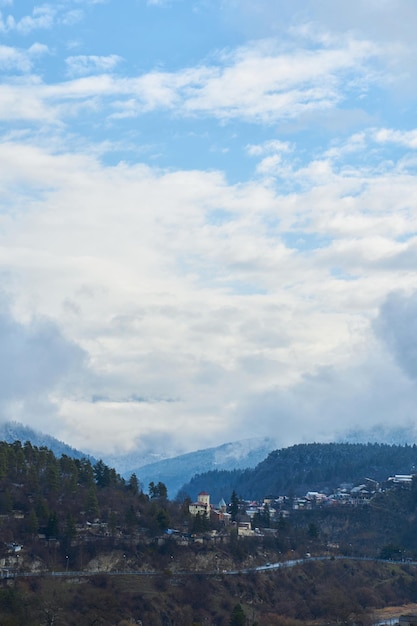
304, 467
14, 431
87, 523
42, 496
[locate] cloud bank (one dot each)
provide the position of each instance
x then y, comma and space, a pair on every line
36, 363
213, 240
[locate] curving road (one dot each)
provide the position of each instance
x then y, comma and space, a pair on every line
9, 573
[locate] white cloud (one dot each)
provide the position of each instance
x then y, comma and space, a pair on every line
272, 146
6, 24
10, 58
390, 25
260, 82
38, 49
36, 361
328, 406
256, 83
201, 319
90, 64
72, 17
42, 18
272, 164
404, 138
396, 326
17, 102
15, 59
390, 20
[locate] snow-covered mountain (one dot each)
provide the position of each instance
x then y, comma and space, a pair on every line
123, 463
176, 471
397, 435
13, 431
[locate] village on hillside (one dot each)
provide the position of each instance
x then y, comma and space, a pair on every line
202, 522
255, 518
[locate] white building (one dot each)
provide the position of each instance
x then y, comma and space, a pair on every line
202, 506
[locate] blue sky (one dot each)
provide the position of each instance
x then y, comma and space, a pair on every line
208, 220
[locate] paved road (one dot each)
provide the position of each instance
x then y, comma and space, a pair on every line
10, 573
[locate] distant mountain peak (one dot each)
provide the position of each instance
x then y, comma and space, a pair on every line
176, 471
11, 431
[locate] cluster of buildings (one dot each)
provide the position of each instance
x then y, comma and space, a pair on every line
280, 507
351, 495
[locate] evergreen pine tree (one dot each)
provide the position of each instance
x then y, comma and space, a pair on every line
238, 617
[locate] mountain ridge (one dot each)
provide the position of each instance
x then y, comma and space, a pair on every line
304, 467
241, 454
11, 431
